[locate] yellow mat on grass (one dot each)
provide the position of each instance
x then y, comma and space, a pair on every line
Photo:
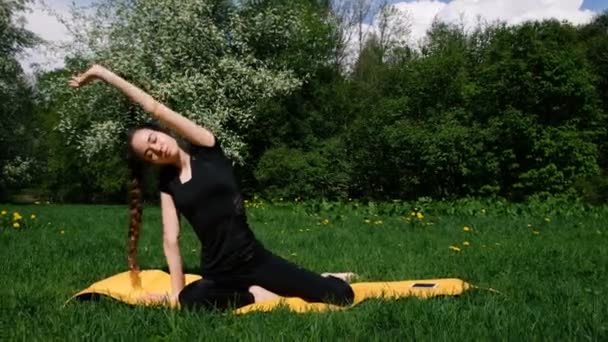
155, 281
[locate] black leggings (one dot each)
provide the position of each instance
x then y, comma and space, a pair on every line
273, 273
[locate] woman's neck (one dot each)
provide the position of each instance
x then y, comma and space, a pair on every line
183, 160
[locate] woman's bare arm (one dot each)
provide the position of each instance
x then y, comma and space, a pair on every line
171, 244
179, 124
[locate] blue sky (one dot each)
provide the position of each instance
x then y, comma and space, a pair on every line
596, 5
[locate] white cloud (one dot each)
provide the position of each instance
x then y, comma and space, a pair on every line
510, 11
421, 14
47, 27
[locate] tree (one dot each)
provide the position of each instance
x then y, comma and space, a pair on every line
193, 55
15, 96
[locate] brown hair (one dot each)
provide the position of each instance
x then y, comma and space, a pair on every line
135, 214
136, 168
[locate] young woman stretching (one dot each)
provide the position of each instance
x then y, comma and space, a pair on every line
199, 183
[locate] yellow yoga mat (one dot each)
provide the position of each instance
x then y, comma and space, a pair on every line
155, 281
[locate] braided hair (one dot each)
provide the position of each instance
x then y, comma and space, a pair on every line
136, 168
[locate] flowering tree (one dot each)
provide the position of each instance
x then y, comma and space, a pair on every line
192, 55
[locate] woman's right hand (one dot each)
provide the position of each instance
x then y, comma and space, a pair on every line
86, 77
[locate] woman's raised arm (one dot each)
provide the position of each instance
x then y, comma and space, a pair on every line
179, 124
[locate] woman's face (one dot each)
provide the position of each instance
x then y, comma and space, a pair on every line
155, 147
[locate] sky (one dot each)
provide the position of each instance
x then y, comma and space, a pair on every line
421, 13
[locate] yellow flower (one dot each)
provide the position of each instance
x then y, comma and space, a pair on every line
535, 232
420, 215
378, 222
367, 221
547, 219
3, 212
483, 211
466, 229
466, 243
17, 216
413, 213
62, 232
16, 225
326, 221
33, 216
455, 248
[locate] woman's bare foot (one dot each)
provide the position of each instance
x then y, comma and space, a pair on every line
346, 276
260, 294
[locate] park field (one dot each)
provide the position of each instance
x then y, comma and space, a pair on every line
547, 260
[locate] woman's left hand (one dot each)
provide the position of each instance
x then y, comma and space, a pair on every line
86, 77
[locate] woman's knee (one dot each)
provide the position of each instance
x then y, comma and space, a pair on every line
342, 293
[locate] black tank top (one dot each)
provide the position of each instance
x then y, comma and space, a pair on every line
212, 203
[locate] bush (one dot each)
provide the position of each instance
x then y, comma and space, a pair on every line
290, 173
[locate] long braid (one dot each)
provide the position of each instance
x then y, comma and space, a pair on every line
135, 213
136, 167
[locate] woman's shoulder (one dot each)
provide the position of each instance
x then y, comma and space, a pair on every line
167, 175
195, 149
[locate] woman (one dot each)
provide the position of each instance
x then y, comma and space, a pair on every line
199, 184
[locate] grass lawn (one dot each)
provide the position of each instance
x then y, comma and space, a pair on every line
549, 262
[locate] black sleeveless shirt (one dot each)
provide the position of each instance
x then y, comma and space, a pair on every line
212, 203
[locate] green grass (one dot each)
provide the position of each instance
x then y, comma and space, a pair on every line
552, 283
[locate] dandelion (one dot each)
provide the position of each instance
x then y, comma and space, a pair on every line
466, 228
378, 222
455, 248
368, 221
420, 215
325, 222
62, 232
466, 243
16, 225
535, 232
3, 213
33, 216
413, 213
17, 216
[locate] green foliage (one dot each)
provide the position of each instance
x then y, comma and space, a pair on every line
210, 74
510, 111
290, 173
16, 164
